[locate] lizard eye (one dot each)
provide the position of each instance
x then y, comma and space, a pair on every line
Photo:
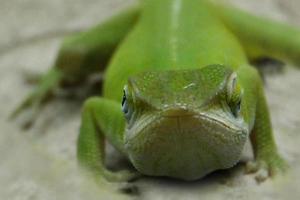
126, 108
124, 103
232, 85
236, 107
234, 95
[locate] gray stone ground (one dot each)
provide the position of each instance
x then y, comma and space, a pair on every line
40, 163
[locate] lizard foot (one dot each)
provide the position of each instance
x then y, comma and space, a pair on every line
264, 168
121, 176
119, 181
129, 189
33, 102
36, 99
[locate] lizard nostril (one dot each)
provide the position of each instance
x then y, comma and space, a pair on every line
177, 112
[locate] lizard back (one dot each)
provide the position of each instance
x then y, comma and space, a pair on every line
172, 34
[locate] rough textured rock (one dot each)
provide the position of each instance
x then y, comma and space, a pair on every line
40, 163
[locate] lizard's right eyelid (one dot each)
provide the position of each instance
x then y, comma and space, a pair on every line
124, 97
231, 84
125, 108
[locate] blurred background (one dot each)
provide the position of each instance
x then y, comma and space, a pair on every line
40, 163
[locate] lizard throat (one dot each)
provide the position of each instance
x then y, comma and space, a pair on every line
186, 147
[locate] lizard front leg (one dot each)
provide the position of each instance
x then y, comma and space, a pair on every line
101, 118
267, 160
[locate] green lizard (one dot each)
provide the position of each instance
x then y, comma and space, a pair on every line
190, 97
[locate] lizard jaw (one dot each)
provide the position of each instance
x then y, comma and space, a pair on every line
186, 146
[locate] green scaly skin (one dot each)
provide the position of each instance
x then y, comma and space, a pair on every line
191, 99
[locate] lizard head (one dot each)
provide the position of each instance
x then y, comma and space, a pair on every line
184, 123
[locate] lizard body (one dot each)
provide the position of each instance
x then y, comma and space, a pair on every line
173, 44
190, 99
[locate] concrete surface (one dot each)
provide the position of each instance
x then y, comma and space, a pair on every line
40, 163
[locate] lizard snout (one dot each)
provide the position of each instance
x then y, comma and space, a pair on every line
177, 112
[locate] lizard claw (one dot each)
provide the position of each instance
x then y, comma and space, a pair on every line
33, 104
42, 92
121, 176
265, 168
24, 105
129, 189
118, 181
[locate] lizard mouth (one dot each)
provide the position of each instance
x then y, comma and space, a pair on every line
183, 144
148, 122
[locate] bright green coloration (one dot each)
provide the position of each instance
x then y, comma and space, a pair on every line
191, 98
282, 41
185, 132
81, 55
